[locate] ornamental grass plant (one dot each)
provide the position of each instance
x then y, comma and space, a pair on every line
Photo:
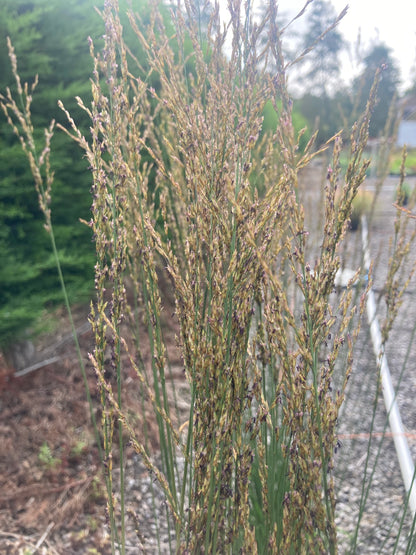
188, 190
254, 316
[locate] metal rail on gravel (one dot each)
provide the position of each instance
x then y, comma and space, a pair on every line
402, 447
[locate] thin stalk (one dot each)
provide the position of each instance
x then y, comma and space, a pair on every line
411, 544
404, 512
75, 336
324, 461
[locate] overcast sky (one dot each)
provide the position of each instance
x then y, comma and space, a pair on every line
391, 21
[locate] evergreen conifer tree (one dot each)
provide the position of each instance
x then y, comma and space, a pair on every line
50, 39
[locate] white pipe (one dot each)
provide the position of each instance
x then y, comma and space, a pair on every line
390, 400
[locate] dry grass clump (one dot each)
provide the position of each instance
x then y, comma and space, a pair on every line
175, 191
254, 315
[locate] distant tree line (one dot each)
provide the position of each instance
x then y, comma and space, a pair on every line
329, 104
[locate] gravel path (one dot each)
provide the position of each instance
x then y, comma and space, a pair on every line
382, 516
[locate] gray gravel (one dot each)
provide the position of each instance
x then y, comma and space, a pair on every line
384, 525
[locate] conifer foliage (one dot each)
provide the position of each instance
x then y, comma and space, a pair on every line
50, 38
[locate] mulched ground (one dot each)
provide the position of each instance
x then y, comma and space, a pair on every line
49, 470
52, 498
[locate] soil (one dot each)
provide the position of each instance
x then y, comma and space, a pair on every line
50, 489
51, 497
